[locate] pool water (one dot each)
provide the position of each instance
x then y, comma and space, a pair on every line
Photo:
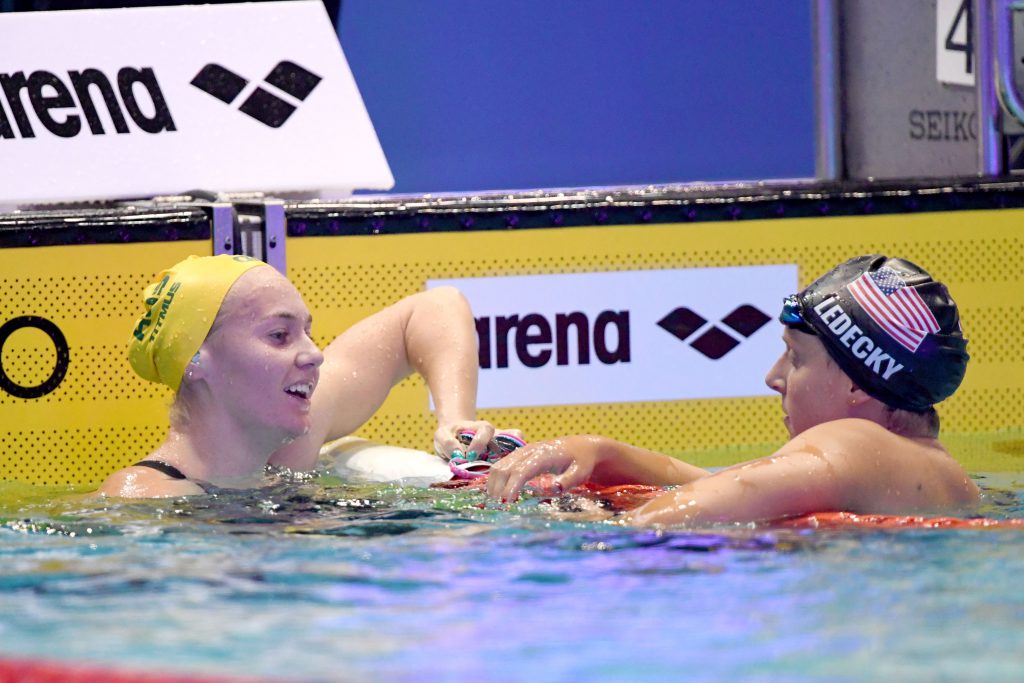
311, 579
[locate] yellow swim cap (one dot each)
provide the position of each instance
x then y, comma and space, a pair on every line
180, 309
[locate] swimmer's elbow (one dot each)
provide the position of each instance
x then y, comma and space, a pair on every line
674, 508
448, 297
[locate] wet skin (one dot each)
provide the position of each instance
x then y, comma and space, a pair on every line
841, 457
262, 392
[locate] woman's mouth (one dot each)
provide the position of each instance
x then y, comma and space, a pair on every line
303, 390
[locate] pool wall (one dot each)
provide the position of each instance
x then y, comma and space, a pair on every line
71, 417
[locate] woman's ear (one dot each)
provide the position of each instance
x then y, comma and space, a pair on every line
858, 396
195, 369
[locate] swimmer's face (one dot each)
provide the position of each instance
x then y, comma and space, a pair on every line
814, 389
259, 362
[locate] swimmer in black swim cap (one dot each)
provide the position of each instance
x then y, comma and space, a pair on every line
871, 346
889, 326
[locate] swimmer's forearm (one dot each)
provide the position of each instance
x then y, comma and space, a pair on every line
620, 463
709, 502
764, 489
441, 345
580, 459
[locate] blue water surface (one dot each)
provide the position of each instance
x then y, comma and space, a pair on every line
316, 580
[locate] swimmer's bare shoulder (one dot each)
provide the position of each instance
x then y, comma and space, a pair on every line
850, 465
145, 482
885, 471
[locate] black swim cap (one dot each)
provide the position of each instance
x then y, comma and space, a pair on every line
892, 329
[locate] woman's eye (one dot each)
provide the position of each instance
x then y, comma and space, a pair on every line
279, 336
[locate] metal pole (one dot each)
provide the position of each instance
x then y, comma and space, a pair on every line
990, 155
828, 162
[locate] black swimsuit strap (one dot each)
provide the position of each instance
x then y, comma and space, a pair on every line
170, 470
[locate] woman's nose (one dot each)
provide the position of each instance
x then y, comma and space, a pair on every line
774, 378
311, 355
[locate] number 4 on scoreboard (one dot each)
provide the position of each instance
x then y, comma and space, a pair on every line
954, 42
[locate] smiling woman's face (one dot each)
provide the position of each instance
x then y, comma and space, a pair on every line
259, 361
814, 389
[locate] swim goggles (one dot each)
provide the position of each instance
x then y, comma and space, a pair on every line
792, 315
501, 445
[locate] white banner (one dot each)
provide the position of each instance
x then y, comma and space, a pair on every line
631, 336
138, 102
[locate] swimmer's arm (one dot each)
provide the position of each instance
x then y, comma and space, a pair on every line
143, 482
846, 465
441, 344
579, 459
429, 332
782, 485
622, 463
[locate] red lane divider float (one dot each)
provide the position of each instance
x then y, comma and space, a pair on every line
850, 520
630, 496
30, 671
620, 498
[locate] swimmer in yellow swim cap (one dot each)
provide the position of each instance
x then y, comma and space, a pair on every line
231, 337
871, 346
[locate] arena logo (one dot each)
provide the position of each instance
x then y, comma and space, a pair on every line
600, 337
60, 345
269, 109
715, 342
536, 339
57, 111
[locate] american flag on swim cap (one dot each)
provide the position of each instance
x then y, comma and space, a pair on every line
899, 310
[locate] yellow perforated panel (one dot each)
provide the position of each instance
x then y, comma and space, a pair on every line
102, 416
979, 254
73, 455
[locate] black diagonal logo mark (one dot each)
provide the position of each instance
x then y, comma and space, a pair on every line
267, 108
291, 78
683, 322
746, 319
262, 104
714, 343
216, 80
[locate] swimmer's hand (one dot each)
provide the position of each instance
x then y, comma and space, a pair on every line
579, 459
571, 458
446, 442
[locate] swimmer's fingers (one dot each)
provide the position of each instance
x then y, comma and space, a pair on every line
481, 442
518, 433
577, 473
497, 480
506, 480
509, 475
574, 457
447, 443
573, 476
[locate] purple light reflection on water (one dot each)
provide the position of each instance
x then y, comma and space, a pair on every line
391, 587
